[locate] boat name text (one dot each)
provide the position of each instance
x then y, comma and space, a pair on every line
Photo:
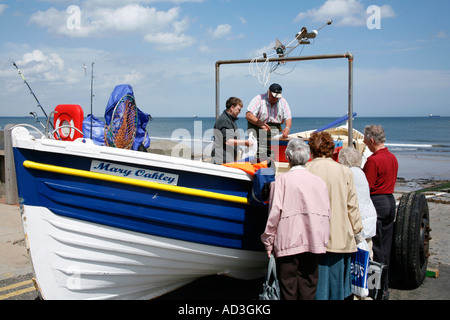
135, 173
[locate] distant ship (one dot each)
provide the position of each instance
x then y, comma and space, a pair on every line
434, 116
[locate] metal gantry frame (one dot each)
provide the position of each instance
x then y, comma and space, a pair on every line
348, 56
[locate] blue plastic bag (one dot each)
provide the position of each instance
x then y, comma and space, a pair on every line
359, 270
98, 130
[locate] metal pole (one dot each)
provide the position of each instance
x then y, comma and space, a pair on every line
11, 191
348, 56
217, 90
92, 97
350, 100
286, 59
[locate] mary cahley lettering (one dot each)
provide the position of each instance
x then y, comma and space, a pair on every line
199, 311
124, 171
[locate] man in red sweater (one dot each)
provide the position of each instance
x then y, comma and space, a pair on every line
381, 171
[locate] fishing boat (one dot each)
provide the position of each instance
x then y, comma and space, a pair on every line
104, 222
109, 223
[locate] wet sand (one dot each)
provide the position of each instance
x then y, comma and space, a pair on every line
423, 167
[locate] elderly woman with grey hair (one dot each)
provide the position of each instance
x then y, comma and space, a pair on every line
297, 229
351, 158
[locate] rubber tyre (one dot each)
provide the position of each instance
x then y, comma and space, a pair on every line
410, 250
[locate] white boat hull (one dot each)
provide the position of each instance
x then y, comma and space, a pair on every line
75, 259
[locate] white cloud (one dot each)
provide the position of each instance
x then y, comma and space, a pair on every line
117, 3
221, 31
48, 67
344, 13
441, 35
387, 12
169, 41
266, 49
57, 76
3, 7
155, 26
204, 49
134, 77
243, 20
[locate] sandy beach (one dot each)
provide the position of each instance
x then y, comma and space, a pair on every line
423, 167
14, 257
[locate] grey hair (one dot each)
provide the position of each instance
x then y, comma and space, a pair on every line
350, 157
375, 132
297, 152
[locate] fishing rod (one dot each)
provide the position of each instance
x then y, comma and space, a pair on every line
31, 91
92, 91
92, 96
34, 115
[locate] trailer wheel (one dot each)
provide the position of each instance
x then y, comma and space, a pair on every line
411, 241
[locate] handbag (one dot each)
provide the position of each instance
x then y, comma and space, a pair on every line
359, 270
271, 288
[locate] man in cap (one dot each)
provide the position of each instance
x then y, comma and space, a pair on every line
265, 115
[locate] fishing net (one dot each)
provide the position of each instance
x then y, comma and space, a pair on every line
121, 131
125, 125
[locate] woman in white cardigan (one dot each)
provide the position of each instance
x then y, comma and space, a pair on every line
352, 158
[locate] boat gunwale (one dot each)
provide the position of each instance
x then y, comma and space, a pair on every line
85, 149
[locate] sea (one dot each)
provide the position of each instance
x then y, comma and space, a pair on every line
422, 144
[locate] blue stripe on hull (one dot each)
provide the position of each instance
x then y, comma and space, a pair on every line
159, 213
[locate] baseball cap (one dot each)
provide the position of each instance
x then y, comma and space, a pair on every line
276, 90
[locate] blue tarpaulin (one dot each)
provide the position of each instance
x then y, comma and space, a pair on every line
98, 127
335, 123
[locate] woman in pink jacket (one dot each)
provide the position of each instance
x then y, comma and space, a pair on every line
297, 230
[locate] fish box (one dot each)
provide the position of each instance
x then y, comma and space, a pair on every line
278, 148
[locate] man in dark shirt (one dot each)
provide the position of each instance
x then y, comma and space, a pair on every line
381, 171
226, 140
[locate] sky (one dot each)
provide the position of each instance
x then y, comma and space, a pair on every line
167, 50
